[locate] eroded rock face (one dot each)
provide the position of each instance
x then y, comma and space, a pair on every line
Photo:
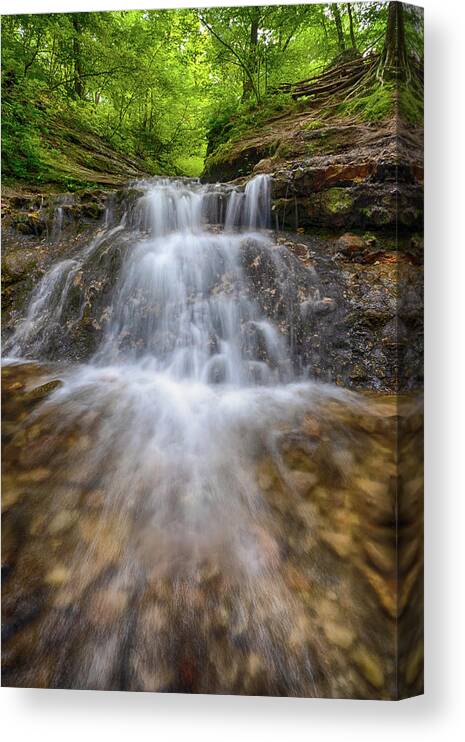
47, 215
349, 305
344, 317
353, 317
39, 230
334, 175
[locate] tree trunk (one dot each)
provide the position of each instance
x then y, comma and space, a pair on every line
247, 88
351, 27
340, 33
394, 60
77, 58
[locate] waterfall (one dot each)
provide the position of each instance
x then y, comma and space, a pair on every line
189, 386
257, 202
198, 321
191, 324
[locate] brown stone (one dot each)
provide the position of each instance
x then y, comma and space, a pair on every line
35, 475
350, 244
341, 636
382, 556
58, 575
106, 606
63, 521
340, 543
369, 665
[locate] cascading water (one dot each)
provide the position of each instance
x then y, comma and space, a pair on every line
155, 500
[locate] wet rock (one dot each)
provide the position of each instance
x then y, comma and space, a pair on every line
40, 474
350, 244
338, 634
106, 607
18, 264
63, 521
369, 665
41, 392
58, 576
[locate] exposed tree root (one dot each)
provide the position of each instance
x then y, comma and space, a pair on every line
359, 76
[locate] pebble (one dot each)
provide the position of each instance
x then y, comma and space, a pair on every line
15, 386
35, 475
95, 499
303, 481
40, 392
340, 543
58, 575
10, 498
265, 481
63, 521
311, 427
369, 665
382, 556
341, 636
371, 487
414, 663
385, 590
106, 606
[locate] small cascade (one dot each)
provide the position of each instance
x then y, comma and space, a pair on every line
257, 202
49, 300
58, 219
189, 387
192, 322
250, 208
57, 224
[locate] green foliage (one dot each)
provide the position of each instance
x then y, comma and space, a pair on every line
190, 166
133, 78
228, 126
171, 87
21, 146
313, 125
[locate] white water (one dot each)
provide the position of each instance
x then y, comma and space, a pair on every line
190, 385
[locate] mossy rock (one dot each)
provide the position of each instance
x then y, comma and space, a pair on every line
17, 265
337, 201
43, 391
92, 210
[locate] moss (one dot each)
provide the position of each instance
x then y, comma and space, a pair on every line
92, 210
377, 215
285, 149
410, 105
313, 124
337, 201
18, 265
377, 104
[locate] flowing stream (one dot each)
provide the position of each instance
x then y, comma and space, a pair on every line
170, 526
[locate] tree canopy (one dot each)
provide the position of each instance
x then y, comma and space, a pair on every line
159, 84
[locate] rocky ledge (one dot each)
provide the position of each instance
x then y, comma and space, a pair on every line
339, 175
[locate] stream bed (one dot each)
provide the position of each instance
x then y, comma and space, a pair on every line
185, 509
